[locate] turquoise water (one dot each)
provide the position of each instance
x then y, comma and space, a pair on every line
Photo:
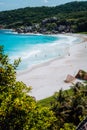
34, 49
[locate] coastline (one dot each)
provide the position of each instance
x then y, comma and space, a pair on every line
47, 78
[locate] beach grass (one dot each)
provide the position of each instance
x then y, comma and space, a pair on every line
82, 33
46, 102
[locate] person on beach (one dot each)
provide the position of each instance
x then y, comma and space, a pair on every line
68, 54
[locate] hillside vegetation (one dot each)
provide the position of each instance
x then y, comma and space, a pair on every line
70, 17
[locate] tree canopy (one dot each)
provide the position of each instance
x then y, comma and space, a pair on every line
18, 110
73, 13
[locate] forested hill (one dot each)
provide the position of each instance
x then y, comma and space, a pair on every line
68, 17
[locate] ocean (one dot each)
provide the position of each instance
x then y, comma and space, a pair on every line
35, 49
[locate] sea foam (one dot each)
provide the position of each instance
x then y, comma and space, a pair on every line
35, 49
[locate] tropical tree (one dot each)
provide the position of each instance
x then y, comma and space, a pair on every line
79, 103
70, 107
18, 110
60, 107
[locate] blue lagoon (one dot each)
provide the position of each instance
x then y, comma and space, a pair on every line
34, 49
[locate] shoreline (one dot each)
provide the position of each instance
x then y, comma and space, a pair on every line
47, 78
58, 55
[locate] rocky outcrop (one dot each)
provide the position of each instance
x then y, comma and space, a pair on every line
47, 26
49, 20
81, 75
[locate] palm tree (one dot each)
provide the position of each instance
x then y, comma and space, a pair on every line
60, 107
78, 104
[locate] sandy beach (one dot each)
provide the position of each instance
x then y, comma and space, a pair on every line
48, 77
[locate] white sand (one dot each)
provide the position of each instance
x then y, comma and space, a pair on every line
49, 77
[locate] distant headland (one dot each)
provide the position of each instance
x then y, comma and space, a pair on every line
67, 18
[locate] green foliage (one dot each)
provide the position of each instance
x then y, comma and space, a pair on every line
18, 110
75, 13
71, 108
51, 26
46, 102
7, 70
68, 126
